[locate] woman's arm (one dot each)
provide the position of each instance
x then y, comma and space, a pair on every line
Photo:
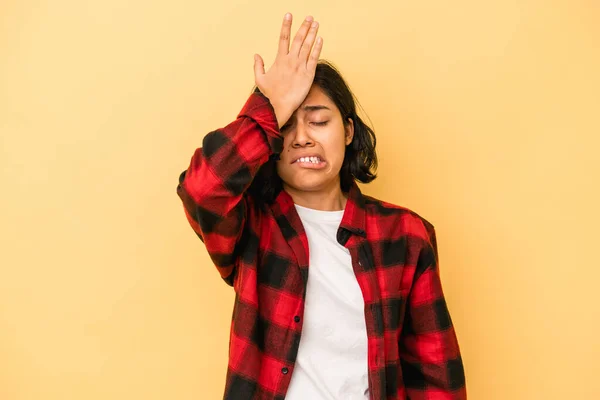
430, 357
213, 188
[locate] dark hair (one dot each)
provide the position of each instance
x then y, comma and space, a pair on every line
360, 159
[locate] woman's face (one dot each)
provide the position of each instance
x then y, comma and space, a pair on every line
314, 145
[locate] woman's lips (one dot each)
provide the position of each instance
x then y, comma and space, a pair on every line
310, 165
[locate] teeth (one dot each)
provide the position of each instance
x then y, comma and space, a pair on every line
313, 160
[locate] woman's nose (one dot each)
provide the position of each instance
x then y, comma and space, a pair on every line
301, 138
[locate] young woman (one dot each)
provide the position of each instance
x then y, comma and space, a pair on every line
338, 294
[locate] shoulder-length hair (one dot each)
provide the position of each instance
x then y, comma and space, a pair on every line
360, 159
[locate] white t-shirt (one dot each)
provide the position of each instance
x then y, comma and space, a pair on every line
332, 357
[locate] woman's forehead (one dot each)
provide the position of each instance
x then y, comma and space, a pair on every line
317, 100
316, 93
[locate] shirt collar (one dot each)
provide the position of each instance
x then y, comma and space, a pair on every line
354, 219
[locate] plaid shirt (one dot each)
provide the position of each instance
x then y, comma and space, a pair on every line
262, 251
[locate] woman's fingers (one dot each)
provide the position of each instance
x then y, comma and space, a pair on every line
289, 79
300, 36
309, 41
284, 36
311, 65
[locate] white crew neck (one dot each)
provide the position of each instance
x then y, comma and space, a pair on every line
319, 215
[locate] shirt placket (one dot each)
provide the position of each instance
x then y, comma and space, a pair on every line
363, 262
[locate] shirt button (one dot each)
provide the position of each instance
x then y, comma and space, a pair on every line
284, 370
296, 319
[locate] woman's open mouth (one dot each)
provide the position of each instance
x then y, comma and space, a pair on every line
310, 162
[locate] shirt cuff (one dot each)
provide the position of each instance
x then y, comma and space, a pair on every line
259, 108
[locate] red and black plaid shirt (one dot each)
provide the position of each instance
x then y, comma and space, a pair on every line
413, 352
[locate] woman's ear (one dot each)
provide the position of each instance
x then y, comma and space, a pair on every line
349, 129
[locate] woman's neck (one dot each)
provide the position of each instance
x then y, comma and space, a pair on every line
332, 199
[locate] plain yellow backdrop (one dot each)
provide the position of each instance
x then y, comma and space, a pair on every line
487, 116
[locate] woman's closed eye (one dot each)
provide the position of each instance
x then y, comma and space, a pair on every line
288, 126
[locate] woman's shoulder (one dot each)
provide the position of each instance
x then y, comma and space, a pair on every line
399, 216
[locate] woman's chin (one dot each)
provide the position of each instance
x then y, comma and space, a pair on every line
308, 185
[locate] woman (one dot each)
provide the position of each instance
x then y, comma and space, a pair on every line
362, 314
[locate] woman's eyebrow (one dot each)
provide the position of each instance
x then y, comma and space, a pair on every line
315, 108
310, 108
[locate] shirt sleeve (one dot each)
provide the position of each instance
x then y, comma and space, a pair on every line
430, 357
213, 188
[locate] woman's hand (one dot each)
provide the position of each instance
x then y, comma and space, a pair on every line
289, 79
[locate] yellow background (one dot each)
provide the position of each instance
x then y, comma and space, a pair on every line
487, 116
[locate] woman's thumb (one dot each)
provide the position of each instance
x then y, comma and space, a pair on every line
259, 65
